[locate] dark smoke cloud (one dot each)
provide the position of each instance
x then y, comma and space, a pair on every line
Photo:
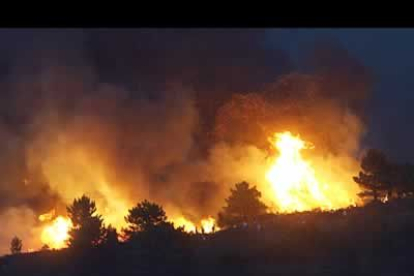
344, 77
89, 84
330, 96
208, 60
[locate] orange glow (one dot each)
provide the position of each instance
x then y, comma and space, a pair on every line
295, 182
56, 234
72, 172
47, 216
187, 225
209, 225
290, 182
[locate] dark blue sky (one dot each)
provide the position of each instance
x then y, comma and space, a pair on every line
389, 54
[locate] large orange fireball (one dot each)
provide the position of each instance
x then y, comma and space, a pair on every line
294, 181
56, 234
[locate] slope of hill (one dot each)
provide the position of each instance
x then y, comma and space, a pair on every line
374, 240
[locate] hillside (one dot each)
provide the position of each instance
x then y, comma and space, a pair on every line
373, 240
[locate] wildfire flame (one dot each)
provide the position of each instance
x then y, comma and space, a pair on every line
291, 184
187, 225
56, 234
207, 225
47, 216
293, 180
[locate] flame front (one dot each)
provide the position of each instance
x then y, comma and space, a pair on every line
56, 234
187, 225
294, 182
47, 216
209, 225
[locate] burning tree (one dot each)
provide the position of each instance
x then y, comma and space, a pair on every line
16, 245
243, 205
88, 227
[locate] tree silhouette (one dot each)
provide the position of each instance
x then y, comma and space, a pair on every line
376, 174
144, 216
16, 245
403, 175
88, 227
243, 205
110, 236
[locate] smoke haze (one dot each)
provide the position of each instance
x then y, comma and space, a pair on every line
174, 116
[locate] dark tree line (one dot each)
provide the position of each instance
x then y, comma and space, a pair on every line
89, 231
148, 221
380, 177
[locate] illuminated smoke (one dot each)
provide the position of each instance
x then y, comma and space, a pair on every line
161, 119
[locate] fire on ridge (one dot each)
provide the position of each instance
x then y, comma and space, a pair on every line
299, 185
294, 184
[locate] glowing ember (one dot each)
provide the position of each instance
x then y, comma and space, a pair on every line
294, 182
56, 234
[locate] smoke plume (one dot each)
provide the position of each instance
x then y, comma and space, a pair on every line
174, 116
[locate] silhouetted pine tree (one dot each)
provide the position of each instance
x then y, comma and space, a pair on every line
243, 205
88, 227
